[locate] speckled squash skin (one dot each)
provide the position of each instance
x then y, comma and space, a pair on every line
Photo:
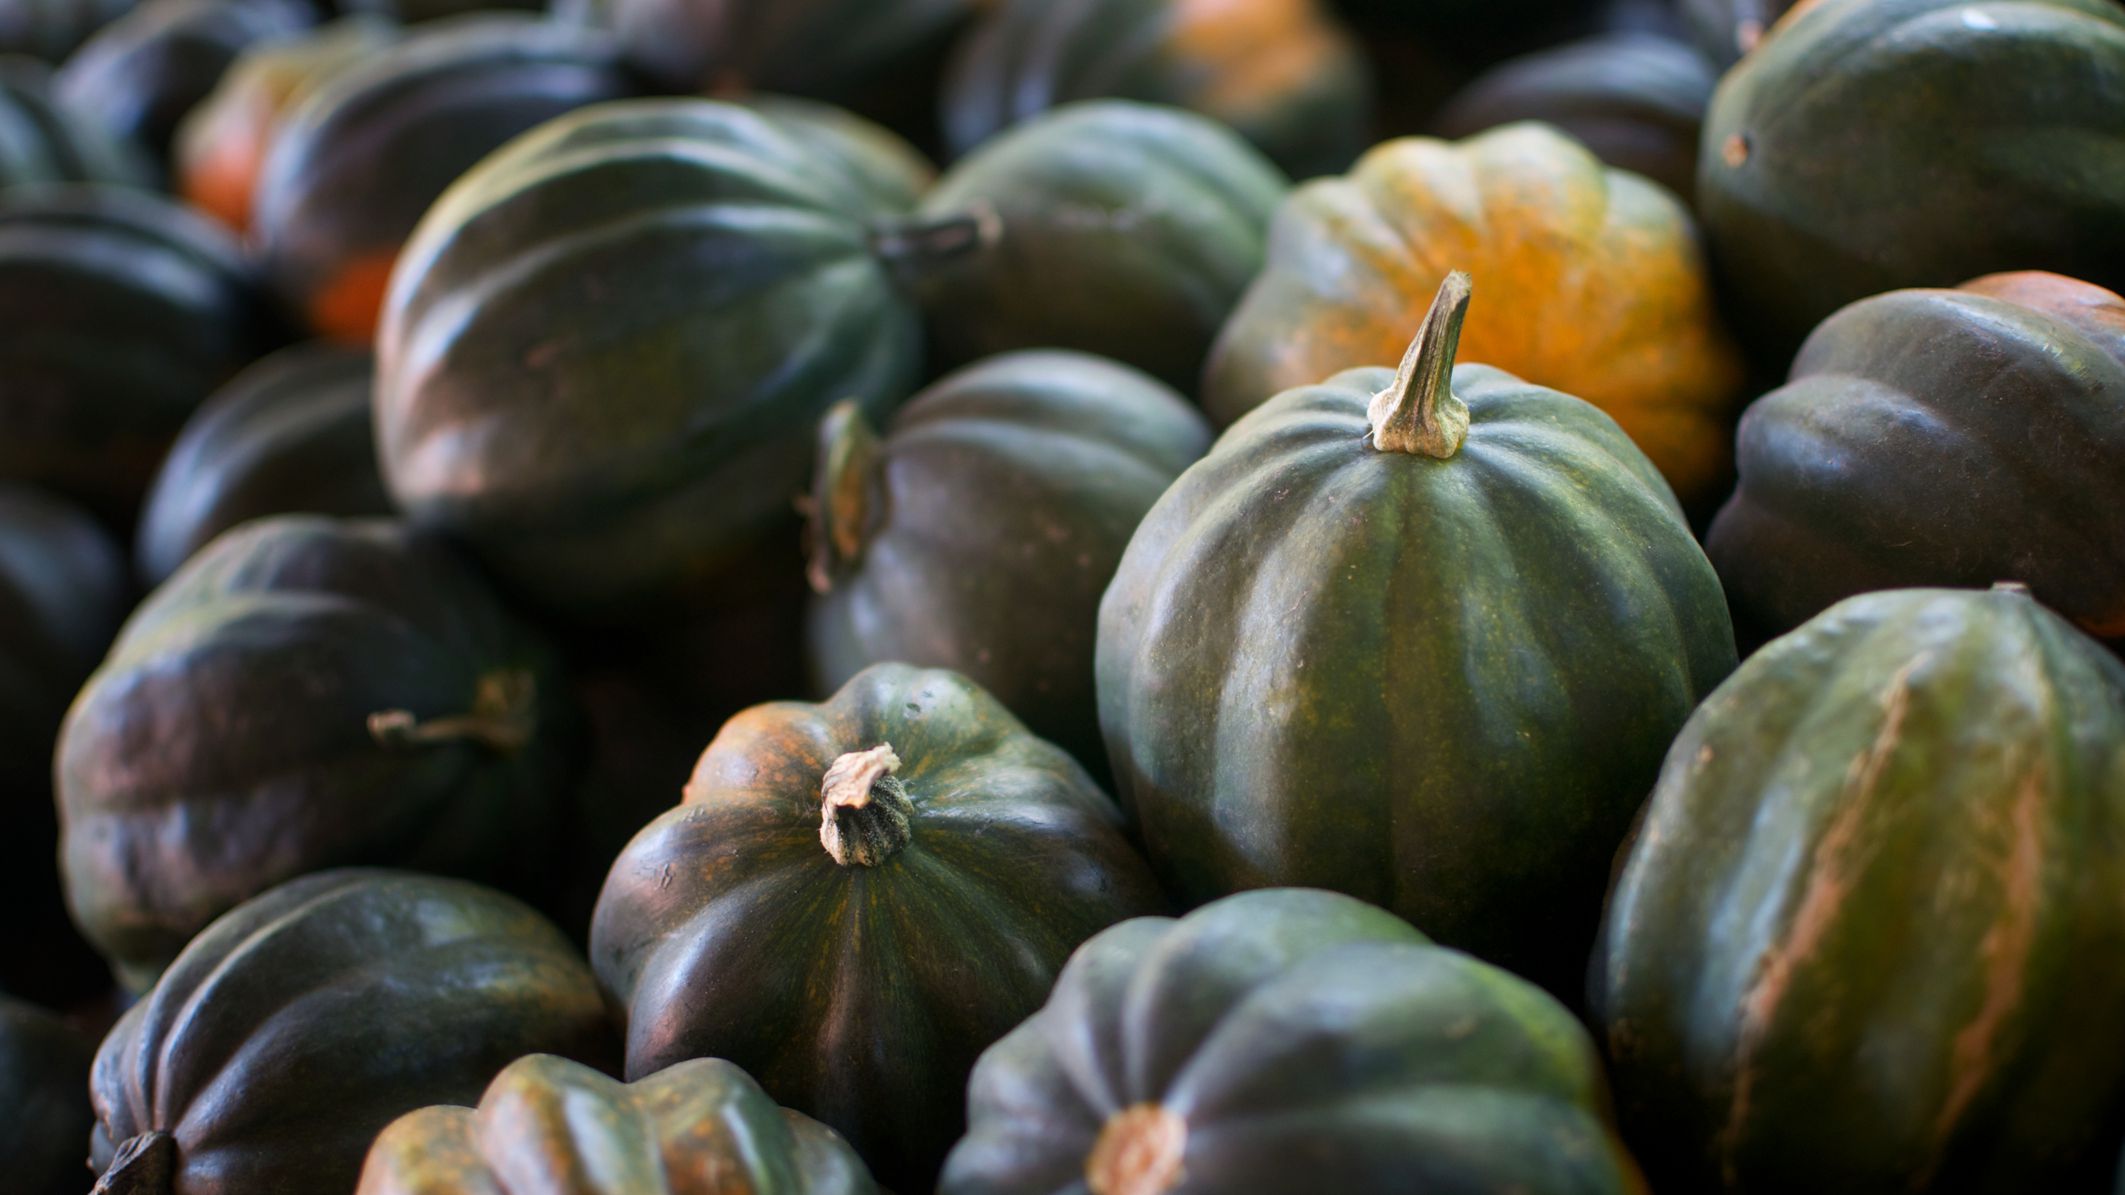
860, 993
658, 299
1438, 680
352, 171
63, 592
1123, 229
1592, 279
120, 311
140, 74
302, 1022
1286, 1042
44, 1072
1285, 74
42, 141
292, 434
979, 531
1938, 437
305, 693
1878, 884
824, 48
702, 1127
1636, 99
2022, 165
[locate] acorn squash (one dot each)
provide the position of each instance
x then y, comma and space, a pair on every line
140, 74
978, 533
1421, 636
305, 693
293, 434
1727, 29
44, 1077
44, 142
302, 1022
1877, 885
49, 30
856, 897
822, 48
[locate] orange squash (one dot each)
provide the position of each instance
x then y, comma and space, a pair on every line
1594, 280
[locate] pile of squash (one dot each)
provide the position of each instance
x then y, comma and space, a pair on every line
1011, 597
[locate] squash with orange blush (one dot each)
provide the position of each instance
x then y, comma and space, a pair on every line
1594, 279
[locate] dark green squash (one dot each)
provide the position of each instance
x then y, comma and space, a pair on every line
411, 12
63, 593
1122, 229
702, 1127
1992, 138
44, 1075
1636, 99
1284, 73
979, 533
119, 312
305, 693
140, 75
1878, 884
43, 142
1284, 1043
352, 170
1938, 437
1418, 636
49, 30
1727, 29
822, 48
293, 434
856, 898
300, 1023
658, 299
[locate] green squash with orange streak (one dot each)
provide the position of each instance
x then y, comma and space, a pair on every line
1868, 938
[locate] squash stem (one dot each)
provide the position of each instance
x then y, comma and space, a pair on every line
864, 815
1419, 413
915, 247
847, 498
144, 1165
503, 717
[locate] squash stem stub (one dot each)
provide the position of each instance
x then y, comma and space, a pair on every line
915, 248
864, 813
846, 499
1139, 1152
1419, 413
144, 1165
503, 718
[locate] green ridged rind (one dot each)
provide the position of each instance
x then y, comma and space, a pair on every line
822, 48
139, 75
42, 141
1441, 686
1309, 1042
1878, 884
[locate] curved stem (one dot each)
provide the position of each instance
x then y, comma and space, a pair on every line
144, 1165
503, 718
847, 499
1419, 413
864, 812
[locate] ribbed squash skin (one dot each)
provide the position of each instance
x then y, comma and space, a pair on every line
1442, 686
352, 171
49, 30
44, 1072
822, 48
141, 74
657, 300
63, 593
979, 533
856, 994
1994, 139
1878, 885
292, 434
1306, 1042
1592, 283
302, 1022
702, 1127
1636, 99
119, 312
227, 742
1284, 73
1122, 229
1938, 437
42, 142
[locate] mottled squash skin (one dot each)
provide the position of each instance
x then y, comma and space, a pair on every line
1593, 284
302, 1022
860, 992
1439, 679
1878, 884
1288, 1042
1993, 139
980, 530
1284, 73
702, 1127
1938, 437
